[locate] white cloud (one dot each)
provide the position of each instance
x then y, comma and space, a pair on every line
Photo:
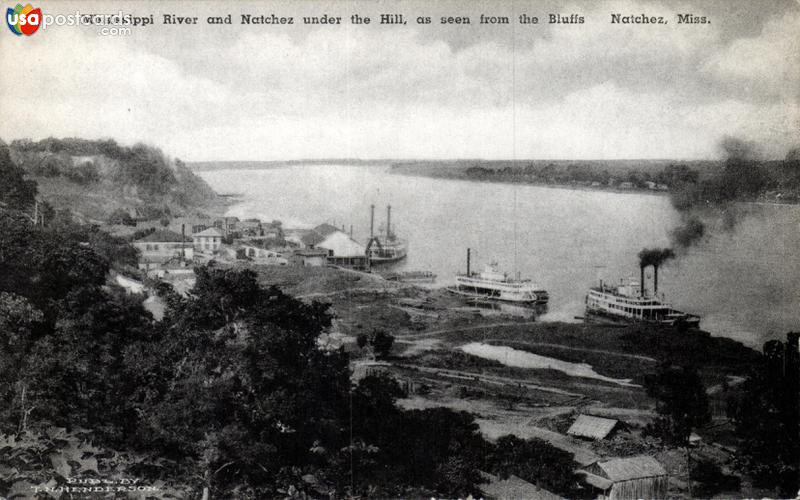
768, 63
591, 91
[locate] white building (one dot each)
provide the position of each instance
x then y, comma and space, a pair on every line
161, 246
208, 241
342, 249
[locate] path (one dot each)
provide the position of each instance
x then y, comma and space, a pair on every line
532, 344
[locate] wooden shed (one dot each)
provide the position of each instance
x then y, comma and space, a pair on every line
591, 427
628, 478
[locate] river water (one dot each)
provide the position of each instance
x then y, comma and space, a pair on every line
744, 283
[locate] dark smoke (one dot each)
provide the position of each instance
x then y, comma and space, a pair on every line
741, 178
655, 256
689, 232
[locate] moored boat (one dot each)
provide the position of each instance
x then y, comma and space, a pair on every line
492, 284
385, 248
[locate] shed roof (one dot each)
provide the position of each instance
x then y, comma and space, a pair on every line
212, 231
625, 469
592, 427
162, 236
596, 481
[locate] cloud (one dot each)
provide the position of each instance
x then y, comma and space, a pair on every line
591, 91
766, 64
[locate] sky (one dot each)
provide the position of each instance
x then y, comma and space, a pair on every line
586, 91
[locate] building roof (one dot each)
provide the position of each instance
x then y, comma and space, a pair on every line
625, 469
342, 245
513, 488
212, 231
592, 427
161, 236
595, 480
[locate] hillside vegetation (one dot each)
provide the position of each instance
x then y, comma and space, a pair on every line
95, 179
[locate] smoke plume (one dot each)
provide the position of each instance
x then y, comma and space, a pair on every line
741, 178
689, 232
655, 256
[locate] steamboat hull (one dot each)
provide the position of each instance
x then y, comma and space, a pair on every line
627, 309
539, 298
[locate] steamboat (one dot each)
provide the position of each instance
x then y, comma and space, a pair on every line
629, 302
388, 248
490, 284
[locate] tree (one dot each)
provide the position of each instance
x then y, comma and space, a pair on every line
16, 192
535, 461
120, 216
381, 343
765, 413
19, 325
84, 173
238, 389
711, 479
682, 403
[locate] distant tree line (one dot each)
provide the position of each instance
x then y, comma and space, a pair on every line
740, 177
582, 173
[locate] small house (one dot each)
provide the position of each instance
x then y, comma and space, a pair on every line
628, 478
309, 258
162, 245
207, 241
250, 227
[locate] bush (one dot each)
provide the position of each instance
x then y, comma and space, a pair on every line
120, 216
711, 480
382, 343
85, 173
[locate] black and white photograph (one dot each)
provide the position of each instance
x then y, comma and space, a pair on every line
400, 249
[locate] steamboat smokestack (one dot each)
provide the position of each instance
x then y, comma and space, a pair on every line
467, 261
655, 280
641, 283
371, 221
388, 221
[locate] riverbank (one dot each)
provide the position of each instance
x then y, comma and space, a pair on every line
574, 187
659, 177
594, 369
